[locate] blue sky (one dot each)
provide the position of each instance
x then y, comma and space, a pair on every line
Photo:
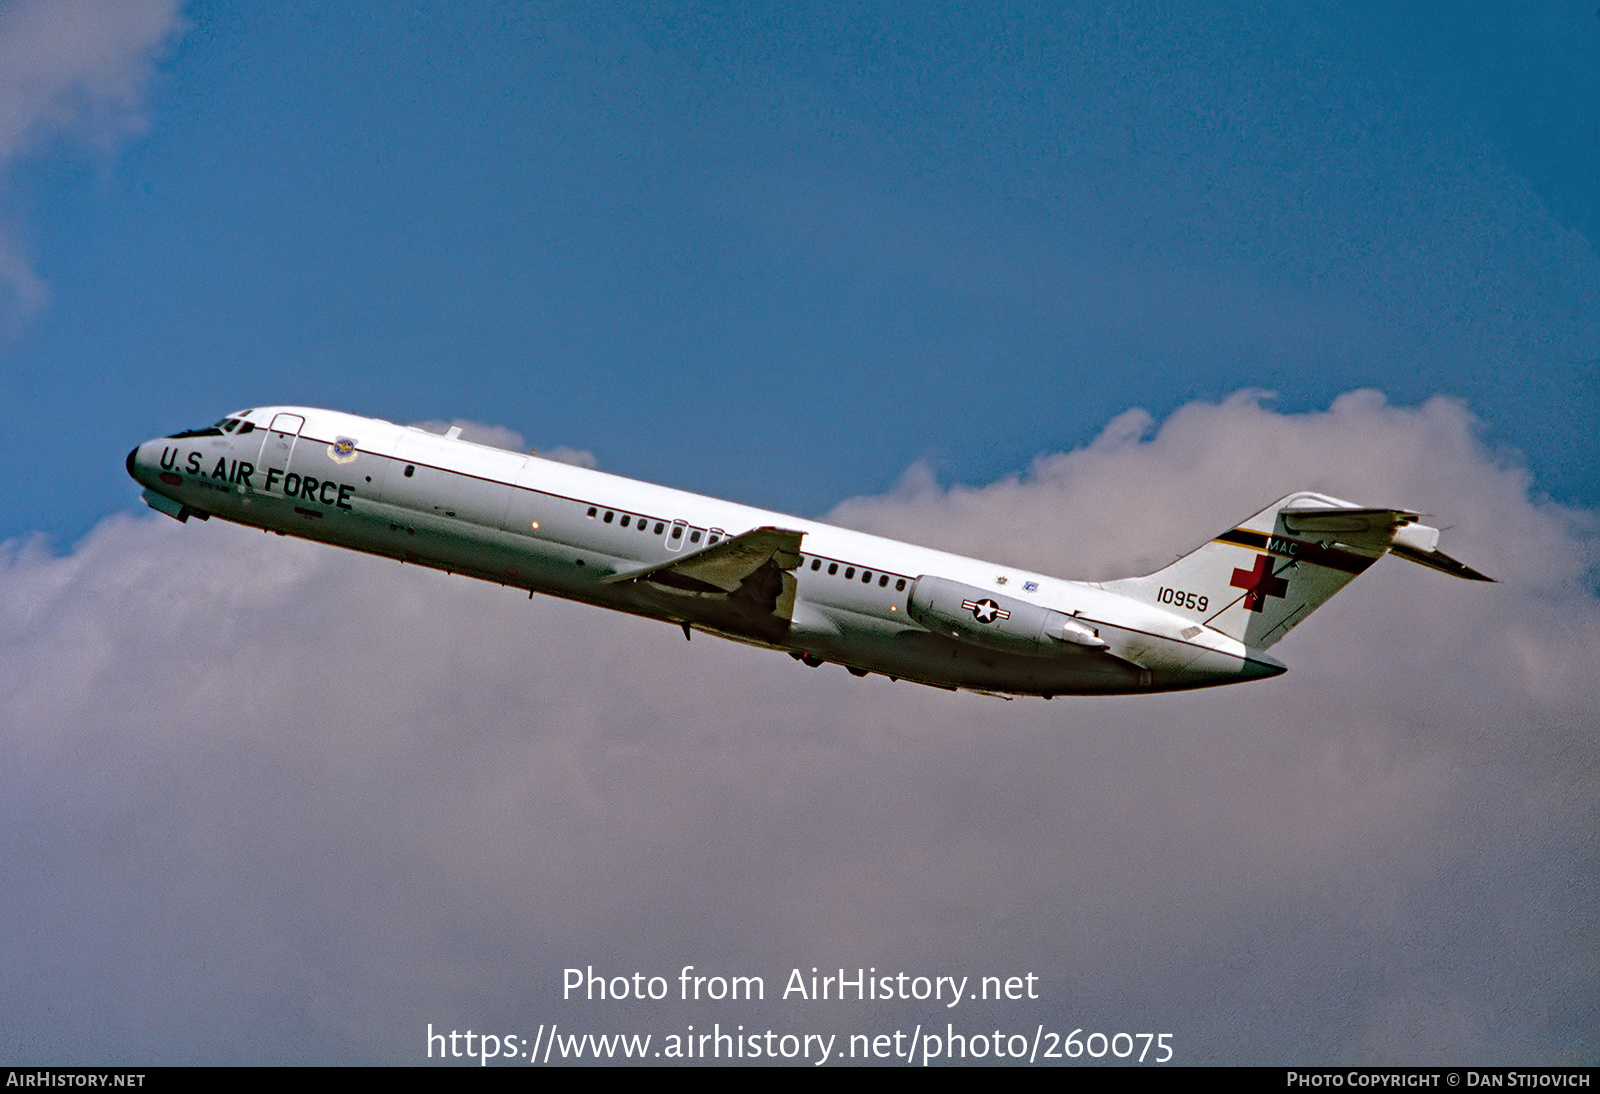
1010, 282
779, 253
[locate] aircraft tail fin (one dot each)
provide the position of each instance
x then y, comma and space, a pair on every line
1258, 580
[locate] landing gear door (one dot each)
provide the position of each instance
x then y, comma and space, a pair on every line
278, 445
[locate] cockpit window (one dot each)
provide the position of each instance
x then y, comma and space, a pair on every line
227, 425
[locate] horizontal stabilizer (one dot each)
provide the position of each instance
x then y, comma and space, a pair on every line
725, 565
1437, 560
1371, 528
1397, 529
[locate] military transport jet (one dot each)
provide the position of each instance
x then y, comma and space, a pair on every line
820, 593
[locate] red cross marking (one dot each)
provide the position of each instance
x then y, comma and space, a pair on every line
1259, 583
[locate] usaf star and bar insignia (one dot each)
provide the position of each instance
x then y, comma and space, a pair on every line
985, 610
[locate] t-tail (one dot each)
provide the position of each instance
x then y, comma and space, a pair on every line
1258, 580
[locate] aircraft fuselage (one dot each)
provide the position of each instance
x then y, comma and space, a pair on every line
819, 592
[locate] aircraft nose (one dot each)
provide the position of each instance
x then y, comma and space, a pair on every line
131, 471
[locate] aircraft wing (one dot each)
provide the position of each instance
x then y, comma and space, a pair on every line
724, 566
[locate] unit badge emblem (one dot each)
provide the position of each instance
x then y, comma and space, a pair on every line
342, 450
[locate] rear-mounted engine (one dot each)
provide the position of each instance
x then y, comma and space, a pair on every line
975, 615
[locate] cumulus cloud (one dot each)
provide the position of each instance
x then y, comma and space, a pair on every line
71, 69
267, 800
1130, 502
499, 436
494, 436
578, 457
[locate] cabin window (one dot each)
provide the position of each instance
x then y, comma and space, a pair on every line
866, 577
609, 516
849, 572
411, 469
816, 564
694, 537
625, 520
593, 511
900, 586
659, 526
644, 525
713, 538
833, 567
677, 531
883, 581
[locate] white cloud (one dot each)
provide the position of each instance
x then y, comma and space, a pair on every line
71, 69
577, 457
1124, 504
499, 436
495, 436
268, 800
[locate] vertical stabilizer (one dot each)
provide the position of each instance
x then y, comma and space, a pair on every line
1258, 580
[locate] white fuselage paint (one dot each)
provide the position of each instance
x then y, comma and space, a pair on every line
525, 522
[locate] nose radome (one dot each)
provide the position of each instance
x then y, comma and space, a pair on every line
131, 457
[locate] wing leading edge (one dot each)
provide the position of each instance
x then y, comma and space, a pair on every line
723, 566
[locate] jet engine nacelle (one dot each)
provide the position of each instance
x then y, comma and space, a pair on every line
976, 615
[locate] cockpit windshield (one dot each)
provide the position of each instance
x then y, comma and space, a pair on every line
229, 424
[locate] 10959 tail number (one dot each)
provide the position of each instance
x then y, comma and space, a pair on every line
1195, 602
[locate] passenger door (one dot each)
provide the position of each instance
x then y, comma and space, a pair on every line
277, 447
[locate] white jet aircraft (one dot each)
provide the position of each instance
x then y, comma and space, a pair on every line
820, 593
